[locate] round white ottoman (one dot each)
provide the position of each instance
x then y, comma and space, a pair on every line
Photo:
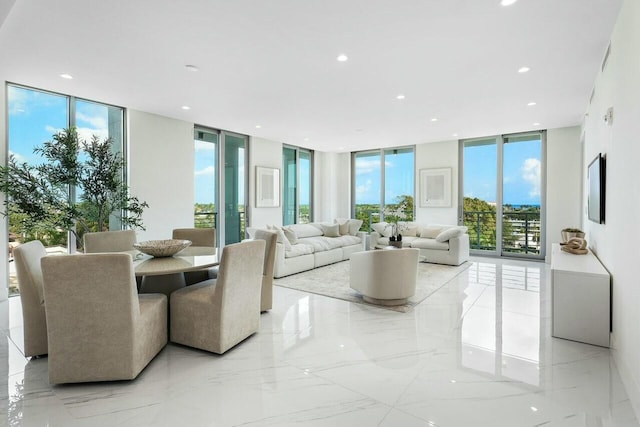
385, 277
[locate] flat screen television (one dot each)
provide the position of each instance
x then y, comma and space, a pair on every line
596, 196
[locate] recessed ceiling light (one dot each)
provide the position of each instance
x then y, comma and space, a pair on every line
400, 96
434, 119
342, 57
191, 67
66, 76
507, 2
340, 148
258, 126
536, 124
455, 134
306, 139
186, 107
523, 69
531, 104
534, 409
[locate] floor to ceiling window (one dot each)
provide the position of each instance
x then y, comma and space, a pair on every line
220, 183
297, 183
383, 180
33, 117
502, 197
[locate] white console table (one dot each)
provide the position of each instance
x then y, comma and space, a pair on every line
581, 298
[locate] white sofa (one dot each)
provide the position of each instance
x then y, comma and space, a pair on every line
302, 247
438, 244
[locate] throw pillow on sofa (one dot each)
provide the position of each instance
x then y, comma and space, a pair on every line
408, 229
290, 235
343, 226
382, 228
281, 237
330, 230
450, 233
352, 226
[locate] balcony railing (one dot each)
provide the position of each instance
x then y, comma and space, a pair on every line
521, 231
210, 219
369, 217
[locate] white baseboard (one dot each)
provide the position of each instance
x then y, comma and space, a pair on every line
631, 386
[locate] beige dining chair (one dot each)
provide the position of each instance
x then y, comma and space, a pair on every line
109, 241
27, 260
266, 294
99, 328
217, 314
199, 237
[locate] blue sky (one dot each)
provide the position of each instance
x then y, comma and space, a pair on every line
521, 170
399, 178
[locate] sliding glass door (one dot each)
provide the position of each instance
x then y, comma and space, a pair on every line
383, 180
235, 161
297, 166
502, 194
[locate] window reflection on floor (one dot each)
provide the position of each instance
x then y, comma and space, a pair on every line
500, 333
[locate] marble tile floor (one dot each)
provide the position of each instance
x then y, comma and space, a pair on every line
478, 352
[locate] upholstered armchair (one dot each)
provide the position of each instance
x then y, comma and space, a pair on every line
199, 237
217, 314
266, 295
386, 276
27, 260
99, 329
109, 241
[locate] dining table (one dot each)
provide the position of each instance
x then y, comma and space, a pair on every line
166, 274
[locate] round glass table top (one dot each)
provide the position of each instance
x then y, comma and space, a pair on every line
191, 258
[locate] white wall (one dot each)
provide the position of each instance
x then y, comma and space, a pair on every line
263, 152
4, 267
616, 242
564, 182
160, 168
332, 186
437, 155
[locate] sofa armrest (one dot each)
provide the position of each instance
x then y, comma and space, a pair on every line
374, 236
460, 245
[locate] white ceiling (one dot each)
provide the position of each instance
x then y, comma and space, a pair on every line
273, 63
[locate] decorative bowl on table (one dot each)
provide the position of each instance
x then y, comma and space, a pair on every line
162, 248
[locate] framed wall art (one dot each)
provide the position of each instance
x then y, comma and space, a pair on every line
267, 187
435, 188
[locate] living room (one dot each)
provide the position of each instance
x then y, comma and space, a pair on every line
160, 155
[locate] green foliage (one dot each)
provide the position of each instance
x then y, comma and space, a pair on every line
402, 210
40, 202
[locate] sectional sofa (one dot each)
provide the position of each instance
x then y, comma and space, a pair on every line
438, 244
302, 247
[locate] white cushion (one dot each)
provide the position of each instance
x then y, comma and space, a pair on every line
319, 243
347, 240
298, 249
343, 225
382, 228
331, 230
305, 230
430, 231
281, 237
290, 235
408, 229
424, 243
354, 226
450, 233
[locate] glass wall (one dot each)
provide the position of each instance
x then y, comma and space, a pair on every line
234, 186
383, 181
502, 197
297, 184
205, 212
33, 117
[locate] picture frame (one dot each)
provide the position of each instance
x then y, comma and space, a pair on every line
435, 188
267, 187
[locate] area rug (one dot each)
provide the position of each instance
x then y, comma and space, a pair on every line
333, 281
